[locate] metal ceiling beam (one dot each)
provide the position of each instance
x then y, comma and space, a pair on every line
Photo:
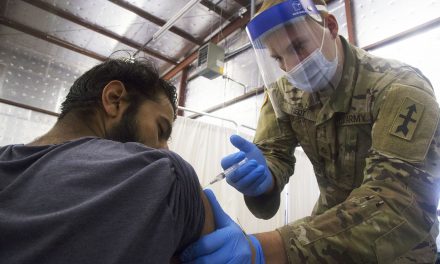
28, 107
80, 21
350, 22
49, 38
405, 34
218, 10
156, 20
225, 32
182, 89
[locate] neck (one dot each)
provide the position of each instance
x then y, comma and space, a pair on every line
70, 127
324, 94
338, 74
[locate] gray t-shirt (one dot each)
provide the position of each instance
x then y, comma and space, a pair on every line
96, 201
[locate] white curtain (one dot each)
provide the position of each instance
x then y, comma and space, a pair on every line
303, 191
203, 145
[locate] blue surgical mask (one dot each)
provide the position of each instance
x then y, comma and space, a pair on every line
314, 73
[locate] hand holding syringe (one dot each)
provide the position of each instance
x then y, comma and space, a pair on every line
227, 172
255, 178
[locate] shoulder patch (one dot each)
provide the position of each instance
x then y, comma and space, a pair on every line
407, 119
406, 123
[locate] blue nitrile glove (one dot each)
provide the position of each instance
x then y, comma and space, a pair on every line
252, 178
228, 244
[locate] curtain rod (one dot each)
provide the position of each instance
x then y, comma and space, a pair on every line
237, 125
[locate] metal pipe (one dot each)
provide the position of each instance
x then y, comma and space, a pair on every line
237, 125
169, 23
47, 112
156, 20
405, 34
249, 127
174, 19
252, 8
235, 53
28, 107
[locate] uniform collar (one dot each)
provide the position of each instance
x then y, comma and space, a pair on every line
340, 100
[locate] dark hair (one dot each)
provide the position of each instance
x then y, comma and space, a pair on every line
139, 77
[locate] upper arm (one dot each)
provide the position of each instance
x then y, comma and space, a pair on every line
406, 123
190, 209
209, 224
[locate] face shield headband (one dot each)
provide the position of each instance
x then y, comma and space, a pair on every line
280, 14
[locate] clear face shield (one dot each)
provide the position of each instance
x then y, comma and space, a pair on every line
291, 41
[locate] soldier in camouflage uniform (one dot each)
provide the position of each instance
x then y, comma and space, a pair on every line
373, 138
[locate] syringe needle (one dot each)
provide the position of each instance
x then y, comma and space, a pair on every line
227, 172
217, 178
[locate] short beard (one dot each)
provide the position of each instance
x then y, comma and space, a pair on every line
126, 129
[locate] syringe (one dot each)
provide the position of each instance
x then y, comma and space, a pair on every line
227, 172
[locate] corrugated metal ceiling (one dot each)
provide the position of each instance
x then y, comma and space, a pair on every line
116, 17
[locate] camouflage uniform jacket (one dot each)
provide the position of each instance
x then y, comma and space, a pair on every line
375, 148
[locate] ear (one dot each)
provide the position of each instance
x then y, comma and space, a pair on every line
112, 98
332, 25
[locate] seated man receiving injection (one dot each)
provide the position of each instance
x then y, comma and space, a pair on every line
101, 186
